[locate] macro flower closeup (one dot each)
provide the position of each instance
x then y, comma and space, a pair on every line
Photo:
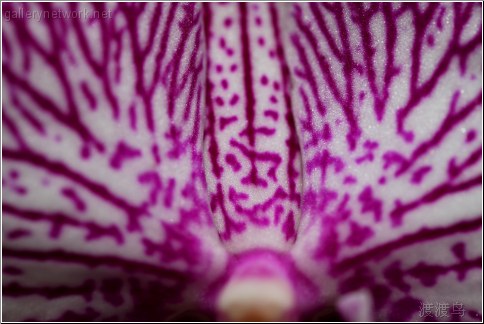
241, 161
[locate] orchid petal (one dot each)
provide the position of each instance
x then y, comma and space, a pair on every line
388, 104
242, 161
105, 212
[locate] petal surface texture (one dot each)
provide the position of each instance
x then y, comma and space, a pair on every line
388, 104
242, 161
105, 212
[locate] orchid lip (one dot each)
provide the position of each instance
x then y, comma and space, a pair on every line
259, 286
241, 161
256, 299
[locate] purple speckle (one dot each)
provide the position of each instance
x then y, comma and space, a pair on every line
228, 22
225, 121
277, 86
156, 153
471, 136
123, 152
358, 234
169, 192
233, 162
225, 84
271, 114
219, 101
233, 101
85, 152
427, 274
458, 250
420, 173
289, 228
14, 174
264, 80
327, 132
369, 204
349, 180
222, 42
132, 116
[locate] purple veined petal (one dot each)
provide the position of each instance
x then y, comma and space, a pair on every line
252, 153
252, 164
112, 220
105, 212
387, 101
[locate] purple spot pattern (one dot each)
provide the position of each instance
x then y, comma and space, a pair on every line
387, 195
244, 130
140, 150
104, 186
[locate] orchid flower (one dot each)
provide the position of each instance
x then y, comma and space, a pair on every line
242, 161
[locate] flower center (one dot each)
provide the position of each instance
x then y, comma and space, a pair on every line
258, 289
256, 300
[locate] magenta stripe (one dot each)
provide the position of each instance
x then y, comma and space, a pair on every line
425, 234
59, 220
132, 212
213, 149
86, 290
292, 141
247, 72
435, 194
92, 261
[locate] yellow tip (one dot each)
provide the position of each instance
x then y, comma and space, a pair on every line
256, 300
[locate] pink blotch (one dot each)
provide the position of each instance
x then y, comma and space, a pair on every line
219, 101
224, 83
233, 101
222, 43
264, 80
471, 135
228, 22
